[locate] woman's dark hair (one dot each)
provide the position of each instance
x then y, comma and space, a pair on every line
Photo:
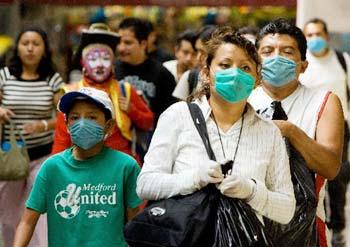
205, 32
283, 26
45, 67
224, 35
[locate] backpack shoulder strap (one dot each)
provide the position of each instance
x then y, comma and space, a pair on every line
193, 79
199, 122
341, 60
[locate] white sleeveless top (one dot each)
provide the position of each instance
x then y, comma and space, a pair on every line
303, 108
327, 73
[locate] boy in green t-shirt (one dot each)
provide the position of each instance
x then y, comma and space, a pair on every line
88, 190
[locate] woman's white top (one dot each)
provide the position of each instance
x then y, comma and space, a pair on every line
177, 152
303, 108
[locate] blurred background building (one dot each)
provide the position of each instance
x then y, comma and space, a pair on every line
64, 19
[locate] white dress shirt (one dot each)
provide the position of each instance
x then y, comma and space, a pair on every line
177, 152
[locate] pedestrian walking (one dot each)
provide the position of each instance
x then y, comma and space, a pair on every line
88, 190
30, 90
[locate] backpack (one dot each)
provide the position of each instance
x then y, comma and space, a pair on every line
342, 62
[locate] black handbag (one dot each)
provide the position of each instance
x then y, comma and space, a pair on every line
180, 220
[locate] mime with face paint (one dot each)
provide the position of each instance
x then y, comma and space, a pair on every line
315, 122
97, 55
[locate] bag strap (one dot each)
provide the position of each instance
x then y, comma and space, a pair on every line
201, 126
13, 131
193, 79
342, 62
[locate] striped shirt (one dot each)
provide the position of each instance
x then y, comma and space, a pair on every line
30, 100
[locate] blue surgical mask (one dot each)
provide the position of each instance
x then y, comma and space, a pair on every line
233, 84
316, 45
86, 133
278, 71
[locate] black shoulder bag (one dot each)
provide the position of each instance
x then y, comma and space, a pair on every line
180, 220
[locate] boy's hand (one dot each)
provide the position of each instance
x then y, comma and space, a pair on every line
124, 104
26, 228
132, 212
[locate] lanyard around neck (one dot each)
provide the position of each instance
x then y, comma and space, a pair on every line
238, 140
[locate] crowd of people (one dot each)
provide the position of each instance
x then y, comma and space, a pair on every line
123, 135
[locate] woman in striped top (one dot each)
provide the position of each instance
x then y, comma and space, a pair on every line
30, 89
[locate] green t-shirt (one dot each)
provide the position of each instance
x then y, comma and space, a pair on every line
85, 201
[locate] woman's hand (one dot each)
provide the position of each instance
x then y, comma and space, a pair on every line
208, 173
5, 115
236, 187
34, 127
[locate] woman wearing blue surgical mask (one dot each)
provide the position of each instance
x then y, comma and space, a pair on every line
177, 161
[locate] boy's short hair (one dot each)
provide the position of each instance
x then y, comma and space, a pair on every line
92, 95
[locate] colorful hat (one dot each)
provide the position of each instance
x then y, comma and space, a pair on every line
98, 33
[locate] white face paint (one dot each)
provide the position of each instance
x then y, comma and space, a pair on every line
98, 63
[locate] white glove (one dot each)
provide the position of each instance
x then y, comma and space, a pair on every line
207, 173
236, 187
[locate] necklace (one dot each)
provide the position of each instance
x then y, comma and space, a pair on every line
228, 166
